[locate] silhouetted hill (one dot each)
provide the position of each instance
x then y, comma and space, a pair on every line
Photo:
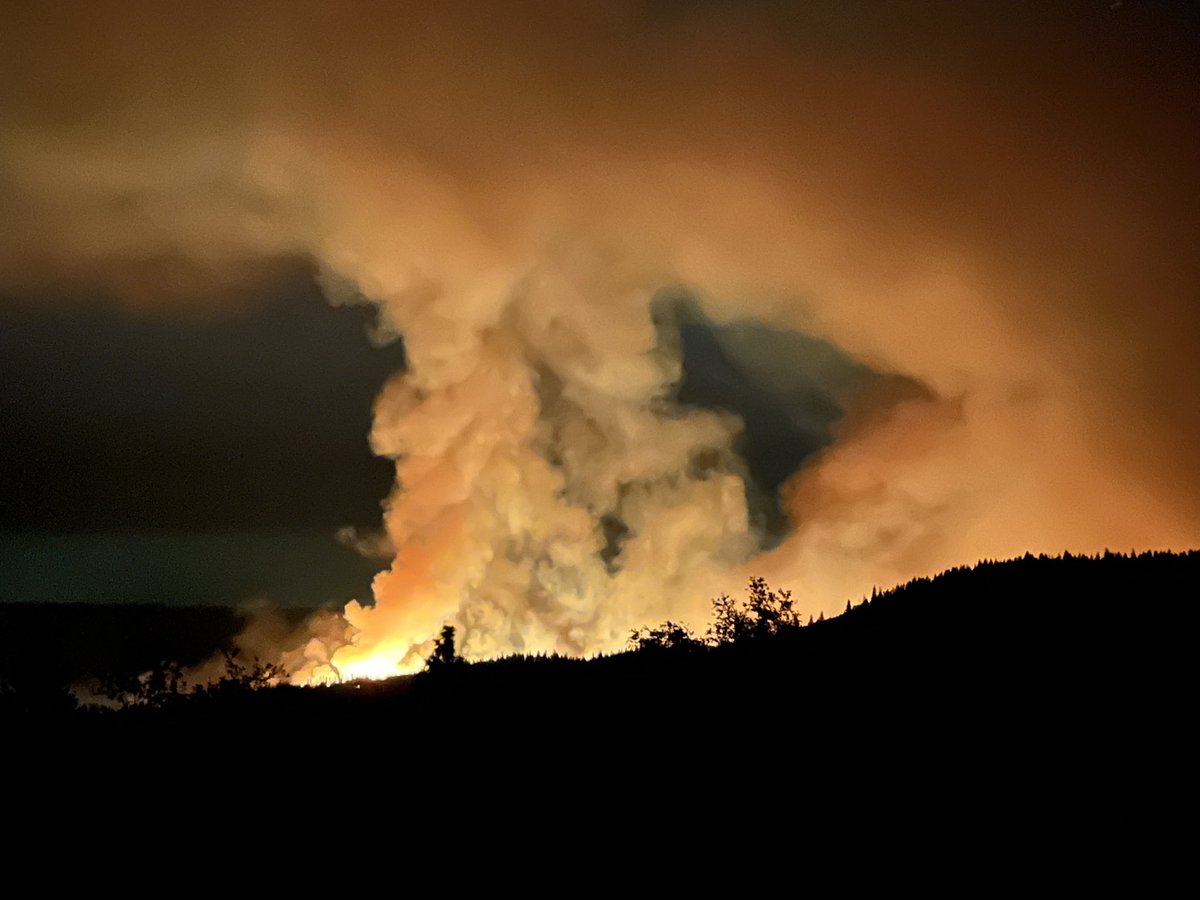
1066, 663
64, 642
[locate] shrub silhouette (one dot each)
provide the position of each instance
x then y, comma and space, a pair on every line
669, 635
240, 678
157, 687
765, 613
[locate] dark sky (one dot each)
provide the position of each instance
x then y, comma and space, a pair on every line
256, 417
136, 445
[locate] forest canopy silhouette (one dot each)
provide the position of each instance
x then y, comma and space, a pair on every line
1036, 643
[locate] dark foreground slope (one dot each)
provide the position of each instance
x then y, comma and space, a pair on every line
1012, 657
57, 644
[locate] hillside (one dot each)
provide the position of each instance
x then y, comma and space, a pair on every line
1052, 646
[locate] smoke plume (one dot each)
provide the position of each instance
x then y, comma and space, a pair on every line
993, 205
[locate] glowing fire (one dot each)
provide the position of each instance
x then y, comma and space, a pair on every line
377, 665
373, 663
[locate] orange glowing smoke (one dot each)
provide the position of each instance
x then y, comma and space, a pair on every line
513, 190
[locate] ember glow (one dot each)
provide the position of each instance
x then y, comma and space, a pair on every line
533, 194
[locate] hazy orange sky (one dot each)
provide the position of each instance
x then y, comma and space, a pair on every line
946, 250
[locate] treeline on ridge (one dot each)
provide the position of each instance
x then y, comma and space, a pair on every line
1050, 642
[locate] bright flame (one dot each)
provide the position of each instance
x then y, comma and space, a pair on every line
377, 665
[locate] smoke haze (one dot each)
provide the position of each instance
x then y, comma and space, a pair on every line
990, 209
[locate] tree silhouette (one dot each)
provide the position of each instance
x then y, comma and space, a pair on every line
766, 612
444, 653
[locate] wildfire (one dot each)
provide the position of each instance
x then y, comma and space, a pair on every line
354, 662
377, 664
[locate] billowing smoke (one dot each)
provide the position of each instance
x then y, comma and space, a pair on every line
991, 209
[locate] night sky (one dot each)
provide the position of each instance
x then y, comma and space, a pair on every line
188, 460
557, 318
